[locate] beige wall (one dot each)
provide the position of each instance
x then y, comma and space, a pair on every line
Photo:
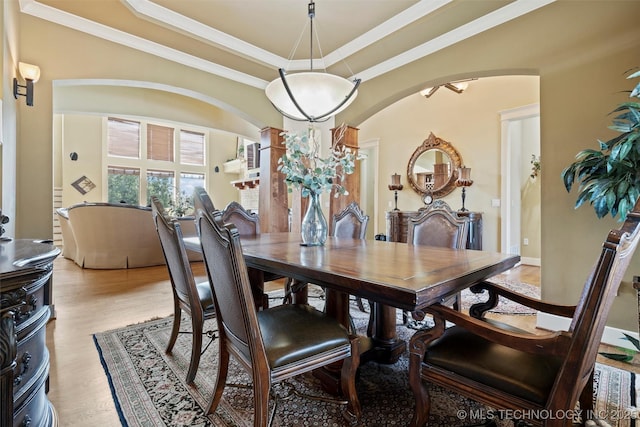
9, 63
576, 99
470, 122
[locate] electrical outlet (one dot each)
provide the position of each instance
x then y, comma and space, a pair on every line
525, 241
495, 203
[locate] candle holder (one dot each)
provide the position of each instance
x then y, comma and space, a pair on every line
395, 186
464, 181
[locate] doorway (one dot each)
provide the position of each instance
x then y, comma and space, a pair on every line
520, 225
369, 184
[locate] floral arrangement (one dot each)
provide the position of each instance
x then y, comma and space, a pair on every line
306, 170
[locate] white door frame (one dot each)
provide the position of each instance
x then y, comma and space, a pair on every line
509, 170
369, 184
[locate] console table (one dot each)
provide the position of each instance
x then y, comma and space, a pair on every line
397, 227
26, 268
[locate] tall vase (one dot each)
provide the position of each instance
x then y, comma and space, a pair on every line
314, 225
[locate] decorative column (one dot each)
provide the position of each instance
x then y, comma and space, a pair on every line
351, 183
273, 197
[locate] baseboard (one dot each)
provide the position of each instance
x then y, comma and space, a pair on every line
611, 336
530, 261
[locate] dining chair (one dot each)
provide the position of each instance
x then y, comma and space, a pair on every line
202, 200
439, 225
272, 344
193, 298
509, 369
248, 224
352, 223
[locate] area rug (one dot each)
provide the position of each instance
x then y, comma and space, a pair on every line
504, 306
149, 390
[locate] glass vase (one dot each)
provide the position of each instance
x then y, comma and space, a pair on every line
314, 227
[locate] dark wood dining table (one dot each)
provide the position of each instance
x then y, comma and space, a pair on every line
391, 275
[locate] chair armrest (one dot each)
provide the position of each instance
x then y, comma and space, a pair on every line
478, 310
549, 343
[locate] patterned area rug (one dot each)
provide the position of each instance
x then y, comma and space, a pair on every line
504, 306
149, 390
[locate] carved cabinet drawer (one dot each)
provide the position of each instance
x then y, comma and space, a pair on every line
32, 301
35, 410
32, 356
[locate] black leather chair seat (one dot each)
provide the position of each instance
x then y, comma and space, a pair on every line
204, 294
290, 337
522, 374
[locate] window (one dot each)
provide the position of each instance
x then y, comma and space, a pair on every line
189, 182
191, 148
252, 153
123, 138
124, 185
162, 185
154, 159
159, 143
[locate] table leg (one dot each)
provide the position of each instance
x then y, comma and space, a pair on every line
386, 347
383, 346
256, 278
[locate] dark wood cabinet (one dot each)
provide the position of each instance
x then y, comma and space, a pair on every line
397, 227
26, 268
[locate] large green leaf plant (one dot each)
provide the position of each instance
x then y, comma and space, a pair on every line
609, 178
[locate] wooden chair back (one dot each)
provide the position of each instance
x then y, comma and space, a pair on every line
201, 200
232, 290
193, 298
438, 226
175, 254
247, 224
350, 222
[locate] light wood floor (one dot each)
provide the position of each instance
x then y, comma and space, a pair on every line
90, 301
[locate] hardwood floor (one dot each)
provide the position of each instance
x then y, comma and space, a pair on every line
86, 302
90, 301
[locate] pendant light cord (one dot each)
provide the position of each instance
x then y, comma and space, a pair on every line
312, 13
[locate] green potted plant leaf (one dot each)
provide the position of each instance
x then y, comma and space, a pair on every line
626, 354
609, 178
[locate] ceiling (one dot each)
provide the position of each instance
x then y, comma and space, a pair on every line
248, 40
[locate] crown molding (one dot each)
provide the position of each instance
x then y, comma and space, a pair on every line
247, 50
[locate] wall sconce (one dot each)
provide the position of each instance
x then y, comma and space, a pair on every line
464, 180
30, 74
395, 186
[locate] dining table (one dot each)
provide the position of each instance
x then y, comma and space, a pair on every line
390, 275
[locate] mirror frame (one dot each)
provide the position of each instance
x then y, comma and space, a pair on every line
431, 143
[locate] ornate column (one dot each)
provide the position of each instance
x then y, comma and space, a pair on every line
347, 136
273, 197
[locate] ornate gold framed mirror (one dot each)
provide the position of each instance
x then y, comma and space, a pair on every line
433, 167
